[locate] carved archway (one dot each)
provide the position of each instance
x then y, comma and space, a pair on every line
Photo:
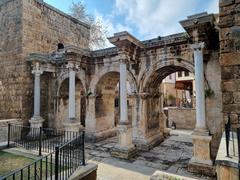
152, 119
162, 69
105, 86
61, 103
105, 70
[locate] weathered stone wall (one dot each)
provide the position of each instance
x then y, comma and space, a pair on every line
44, 27
4, 128
185, 118
214, 115
28, 26
12, 63
229, 23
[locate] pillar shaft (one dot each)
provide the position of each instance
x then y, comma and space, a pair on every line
71, 107
199, 83
37, 95
36, 121
123, 93
90, 116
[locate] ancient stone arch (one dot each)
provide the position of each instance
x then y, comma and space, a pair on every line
65, 75
165, 67
62, 100
151, 100
108, 69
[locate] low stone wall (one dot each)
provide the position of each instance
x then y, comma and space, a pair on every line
4, 127
160, 175
227, 168
185, 118
88, 172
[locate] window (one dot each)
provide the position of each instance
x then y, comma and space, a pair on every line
60, 46
180, 74
170, 76
186, 73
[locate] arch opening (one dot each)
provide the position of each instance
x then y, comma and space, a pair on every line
158, 98
63, 103
107, 102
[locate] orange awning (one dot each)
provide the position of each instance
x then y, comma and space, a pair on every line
183, 85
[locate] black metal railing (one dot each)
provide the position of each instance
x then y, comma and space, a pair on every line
58, 165
39, 139
232, 133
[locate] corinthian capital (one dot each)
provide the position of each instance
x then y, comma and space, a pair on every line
198, 46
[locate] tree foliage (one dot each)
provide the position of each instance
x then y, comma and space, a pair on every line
98, 30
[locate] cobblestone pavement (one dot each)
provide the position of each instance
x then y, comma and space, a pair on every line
172, 156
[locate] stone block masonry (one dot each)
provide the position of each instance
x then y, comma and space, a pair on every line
184, 118
229, 54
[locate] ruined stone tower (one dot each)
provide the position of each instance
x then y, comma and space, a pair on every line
28, 26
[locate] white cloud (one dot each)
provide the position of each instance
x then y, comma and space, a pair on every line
159, 17
152, 18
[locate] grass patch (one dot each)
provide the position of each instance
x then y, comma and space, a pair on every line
10, 162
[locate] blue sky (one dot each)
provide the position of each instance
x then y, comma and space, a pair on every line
143, 18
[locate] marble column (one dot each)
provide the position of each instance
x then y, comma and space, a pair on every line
72, 124
125, 148
200, 90
123, 94
72, 101
201, 160
36, 121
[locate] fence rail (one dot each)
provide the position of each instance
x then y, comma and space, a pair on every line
58, 164
232, 135
39, 139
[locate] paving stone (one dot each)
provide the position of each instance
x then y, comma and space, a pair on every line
173, 169
103, 155
172, 155
111, 145
102, 149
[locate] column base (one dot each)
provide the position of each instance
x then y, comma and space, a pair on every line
73, 127
124, 149
99, 136
35, 123
166, 132
124, 152
201, 161
148, 143
196, 167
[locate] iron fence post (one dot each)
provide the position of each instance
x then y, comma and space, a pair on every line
227, 133
9, 127
40, 141
238, 140
83, 149
56, 162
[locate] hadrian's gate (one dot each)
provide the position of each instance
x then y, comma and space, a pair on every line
117, 90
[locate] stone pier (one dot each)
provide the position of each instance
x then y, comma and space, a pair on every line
201, 160
125, 148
